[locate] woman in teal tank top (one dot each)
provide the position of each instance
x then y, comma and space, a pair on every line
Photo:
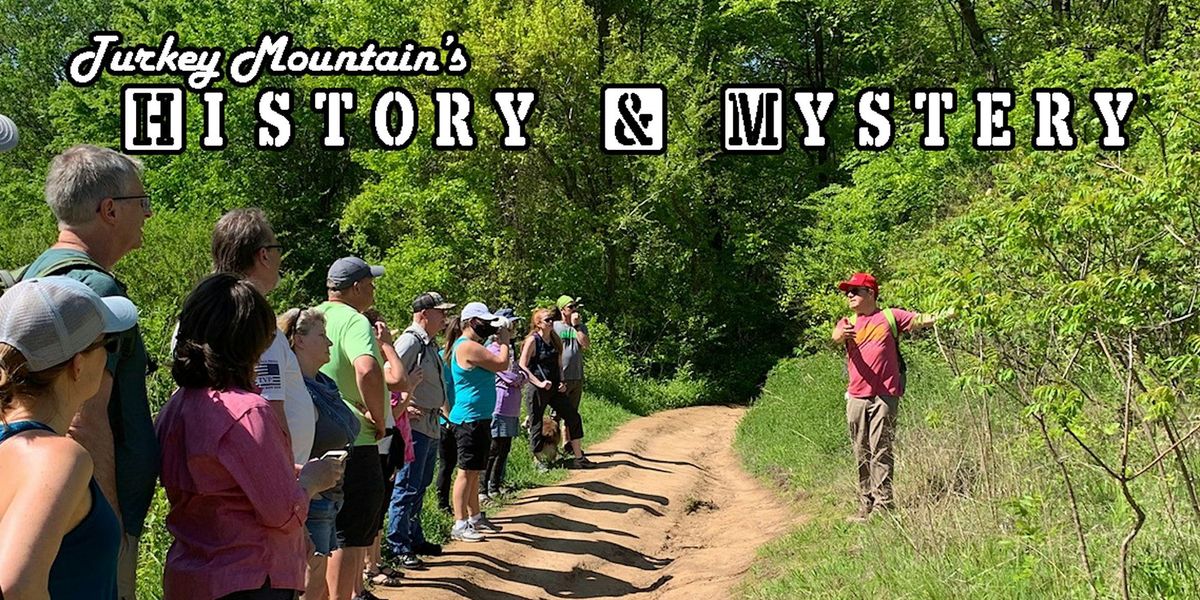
474, 370
61, 536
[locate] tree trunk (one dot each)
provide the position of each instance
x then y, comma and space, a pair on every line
1152, 37
1181, 463
1066, 475
979, 42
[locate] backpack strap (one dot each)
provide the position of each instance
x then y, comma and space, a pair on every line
891, 319
63, 265
10, 278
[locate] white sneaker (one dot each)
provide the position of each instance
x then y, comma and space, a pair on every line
484, 525
466, 533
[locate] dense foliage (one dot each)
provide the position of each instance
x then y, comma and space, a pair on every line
1074, 272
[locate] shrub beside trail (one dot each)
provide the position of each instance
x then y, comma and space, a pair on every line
977, 518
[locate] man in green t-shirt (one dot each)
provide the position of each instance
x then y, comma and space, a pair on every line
96, 194
356, 365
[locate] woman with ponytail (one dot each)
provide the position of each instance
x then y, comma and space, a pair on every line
237, 509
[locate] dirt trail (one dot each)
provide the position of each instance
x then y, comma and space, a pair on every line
667, 513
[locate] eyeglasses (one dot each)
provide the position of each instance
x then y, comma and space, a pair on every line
145, 198
278, 247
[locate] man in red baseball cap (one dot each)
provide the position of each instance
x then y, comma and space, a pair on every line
876, 370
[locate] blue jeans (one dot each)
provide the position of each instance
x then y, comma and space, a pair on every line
408, 495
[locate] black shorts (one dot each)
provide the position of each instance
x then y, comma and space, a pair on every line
474, 440
363, 489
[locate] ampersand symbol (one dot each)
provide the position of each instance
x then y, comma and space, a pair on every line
628, 106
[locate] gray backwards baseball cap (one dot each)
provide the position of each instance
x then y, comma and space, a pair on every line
51, 319
345, 272
431, 300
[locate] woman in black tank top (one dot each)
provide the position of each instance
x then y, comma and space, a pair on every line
65, 536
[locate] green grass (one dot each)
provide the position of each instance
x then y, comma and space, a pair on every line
612, 396
959, 532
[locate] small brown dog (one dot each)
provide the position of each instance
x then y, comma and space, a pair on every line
551, 440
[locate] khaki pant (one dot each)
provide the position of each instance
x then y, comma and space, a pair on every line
872, 430
127, 568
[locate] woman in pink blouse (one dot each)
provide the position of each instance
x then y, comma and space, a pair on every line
237, 507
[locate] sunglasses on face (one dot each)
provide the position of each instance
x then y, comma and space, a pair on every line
857, 291
110, 342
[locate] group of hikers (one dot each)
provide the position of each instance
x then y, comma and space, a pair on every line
297, 448
291, 439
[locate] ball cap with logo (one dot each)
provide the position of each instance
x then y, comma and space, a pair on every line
51, 319
479, 310
430, 300
345, 272
859, 280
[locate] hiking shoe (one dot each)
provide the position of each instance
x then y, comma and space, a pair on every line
428, 549
466, 533
862, 516
581, 463
483, 525
410, 560
540, 466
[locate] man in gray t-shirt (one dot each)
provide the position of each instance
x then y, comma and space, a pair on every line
417, 348
574, 334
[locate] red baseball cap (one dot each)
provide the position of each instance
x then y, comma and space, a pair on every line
859, 280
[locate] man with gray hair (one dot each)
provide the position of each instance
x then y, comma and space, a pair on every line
97, 197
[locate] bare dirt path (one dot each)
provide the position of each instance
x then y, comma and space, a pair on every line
667, 513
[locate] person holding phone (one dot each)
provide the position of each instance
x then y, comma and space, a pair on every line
575, 340
541, 362
237, 508
506, 416
876, 383
335, 429
474, 370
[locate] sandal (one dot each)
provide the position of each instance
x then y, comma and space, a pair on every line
384, 576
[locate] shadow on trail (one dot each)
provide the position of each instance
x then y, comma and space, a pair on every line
608, 464
608, 489
552, 522
645, 458
609, 551
576, 583
583, 503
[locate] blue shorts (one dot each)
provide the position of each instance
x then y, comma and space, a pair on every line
505, 427
322, 524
